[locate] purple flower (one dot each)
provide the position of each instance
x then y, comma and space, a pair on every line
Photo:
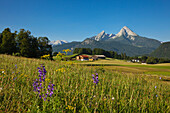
38, 88
43, 78
95, 78
51, 93
155, 86
15, 78
44, 70
40, 80
160, 78
44, 99
37, 85
156, 95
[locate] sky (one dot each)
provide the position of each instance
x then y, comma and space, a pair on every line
75, 20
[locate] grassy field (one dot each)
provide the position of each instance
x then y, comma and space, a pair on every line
129, 67
119, 89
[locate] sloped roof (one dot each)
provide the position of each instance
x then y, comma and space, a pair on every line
100, 55
84, 56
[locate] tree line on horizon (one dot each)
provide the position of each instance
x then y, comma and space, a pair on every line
99, 51
122, 56
24, 44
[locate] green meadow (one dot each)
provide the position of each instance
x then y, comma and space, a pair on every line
122, 87
129, 67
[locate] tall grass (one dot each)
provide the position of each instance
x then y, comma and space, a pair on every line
74, 90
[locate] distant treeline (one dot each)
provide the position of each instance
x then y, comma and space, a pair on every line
23, 44
122, 56
153, 60
98, 51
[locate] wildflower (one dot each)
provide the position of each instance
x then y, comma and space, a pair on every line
0, 89
38, 84
156, 95
15, 66
94, 96
50, 89
47, 79
160, 78
70, 107
44, 99
95, 78
40, 96
104, 98
2, 71
61, 70
113, 98
155, 86
45, 57
15, 78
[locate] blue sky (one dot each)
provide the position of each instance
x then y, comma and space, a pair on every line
75, 20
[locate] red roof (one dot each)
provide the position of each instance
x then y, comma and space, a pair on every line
84, 56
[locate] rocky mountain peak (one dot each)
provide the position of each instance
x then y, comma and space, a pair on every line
127, 33
111, 35
101, 36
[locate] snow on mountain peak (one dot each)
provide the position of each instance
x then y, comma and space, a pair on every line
101, 33
100, 36
111, 35
130, 32
126, 32
58, 42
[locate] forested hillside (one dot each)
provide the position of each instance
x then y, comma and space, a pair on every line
163, 51
23, 44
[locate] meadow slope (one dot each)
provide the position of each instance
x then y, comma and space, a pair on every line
75, 90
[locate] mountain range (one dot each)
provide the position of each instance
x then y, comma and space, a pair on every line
58, 42
125, 41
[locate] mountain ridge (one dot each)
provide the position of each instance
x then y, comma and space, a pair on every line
125, 41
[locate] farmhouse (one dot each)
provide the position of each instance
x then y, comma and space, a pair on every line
94, 58
82, 57
100, 56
